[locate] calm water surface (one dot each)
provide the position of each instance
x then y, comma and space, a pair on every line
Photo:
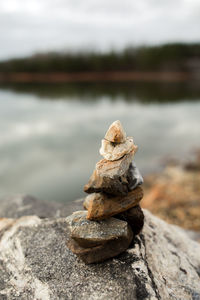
49, 144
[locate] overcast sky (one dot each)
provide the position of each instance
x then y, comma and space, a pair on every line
29, 26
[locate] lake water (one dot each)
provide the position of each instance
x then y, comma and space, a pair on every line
50, 134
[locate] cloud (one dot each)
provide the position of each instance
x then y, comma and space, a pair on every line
31, 26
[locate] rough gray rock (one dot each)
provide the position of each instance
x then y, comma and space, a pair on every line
162, 263
25, 205
134, 177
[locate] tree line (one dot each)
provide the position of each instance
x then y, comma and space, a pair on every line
168, 57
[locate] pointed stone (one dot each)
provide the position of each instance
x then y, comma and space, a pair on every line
112, 151
116, 133
101, 206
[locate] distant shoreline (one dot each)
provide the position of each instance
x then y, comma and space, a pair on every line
113, 76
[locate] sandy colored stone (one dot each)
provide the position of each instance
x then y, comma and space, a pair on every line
86, 202
173, 195
134, 217
106, 168
114, 151
102, 252
101, 206
116, 133
90, 233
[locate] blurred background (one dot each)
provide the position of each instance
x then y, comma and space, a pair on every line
69, 68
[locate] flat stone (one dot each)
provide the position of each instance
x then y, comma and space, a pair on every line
111, 169
101, 206
90, 233
134, 217
118, 185
102, 252
114, 151
116, 133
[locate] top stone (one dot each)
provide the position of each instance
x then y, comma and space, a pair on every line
116, 133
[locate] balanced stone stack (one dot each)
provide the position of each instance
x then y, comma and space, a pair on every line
112, 215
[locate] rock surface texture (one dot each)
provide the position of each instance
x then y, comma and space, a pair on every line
26, 205
162, 263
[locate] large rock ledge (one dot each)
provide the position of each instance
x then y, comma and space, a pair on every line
163, 263
24, 205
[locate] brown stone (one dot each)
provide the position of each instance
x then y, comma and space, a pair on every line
116, 133
101, 252
101, 206
114, 186
119, 185
134, 217
86, 202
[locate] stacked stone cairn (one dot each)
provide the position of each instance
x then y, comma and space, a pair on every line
112, 215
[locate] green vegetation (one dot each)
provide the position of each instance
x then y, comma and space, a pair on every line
169, 57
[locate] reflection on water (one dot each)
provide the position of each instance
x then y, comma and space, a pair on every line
49, 148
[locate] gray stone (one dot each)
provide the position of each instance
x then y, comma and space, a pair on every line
162, 263
134, 177
100, 253
134, 217
89, 233
26, 205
